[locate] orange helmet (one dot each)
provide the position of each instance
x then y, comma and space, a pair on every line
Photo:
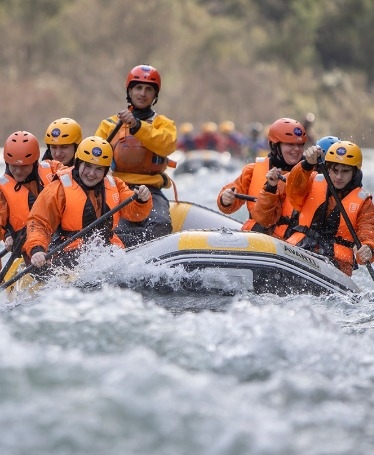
21, 148
288, 131
145, 74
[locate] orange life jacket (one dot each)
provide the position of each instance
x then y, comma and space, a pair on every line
343, 240
76, 208
21, 201
261, 167
130, 155
287, 220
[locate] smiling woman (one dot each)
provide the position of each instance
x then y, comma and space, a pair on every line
82, 194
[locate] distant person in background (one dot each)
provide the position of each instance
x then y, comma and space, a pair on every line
234, 139
141, 149
256, 143
80, 196
286, 141
186, 137
210, 138
308, 125
62, 138
21, 184
321, 227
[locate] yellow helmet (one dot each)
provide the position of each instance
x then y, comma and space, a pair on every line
209, 127
186, 128
227, 126
63, 131
95, 150
344, 152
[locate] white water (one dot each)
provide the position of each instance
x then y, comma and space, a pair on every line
117, 372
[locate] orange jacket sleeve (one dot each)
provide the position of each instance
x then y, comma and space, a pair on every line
268, 207
365, 225
241, 184
4, 215
298, 186
135, 211
45, 216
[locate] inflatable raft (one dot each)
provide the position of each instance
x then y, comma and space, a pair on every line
212, 243
248, 261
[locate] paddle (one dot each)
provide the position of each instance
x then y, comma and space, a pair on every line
5, 251
115, 131
245, 197
17, 247
71, 239
335, 194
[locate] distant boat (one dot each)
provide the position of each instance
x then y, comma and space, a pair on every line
196, 160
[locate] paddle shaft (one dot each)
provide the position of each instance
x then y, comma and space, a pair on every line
348, 222
115, 131
15, 253
245, 197
71, 239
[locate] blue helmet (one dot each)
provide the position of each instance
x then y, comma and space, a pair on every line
326, 142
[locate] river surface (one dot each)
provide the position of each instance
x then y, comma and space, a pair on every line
118, 372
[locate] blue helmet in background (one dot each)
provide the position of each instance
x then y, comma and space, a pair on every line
326, 142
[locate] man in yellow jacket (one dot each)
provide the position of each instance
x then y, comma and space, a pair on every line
141, 148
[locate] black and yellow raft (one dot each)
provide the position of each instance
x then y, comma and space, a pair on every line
208, 241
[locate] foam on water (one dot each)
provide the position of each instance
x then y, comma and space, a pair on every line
114, 371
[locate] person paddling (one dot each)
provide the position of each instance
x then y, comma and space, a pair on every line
286, 138
273, 209
141, 149
22, 182
322, 228
79, 196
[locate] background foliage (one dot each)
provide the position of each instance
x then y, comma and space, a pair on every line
243, 60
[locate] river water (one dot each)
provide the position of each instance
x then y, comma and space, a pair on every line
113, 371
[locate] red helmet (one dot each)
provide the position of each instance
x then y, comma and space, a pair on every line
21, 148
288, 131
144, 74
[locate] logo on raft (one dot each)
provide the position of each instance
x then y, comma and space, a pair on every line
301, 256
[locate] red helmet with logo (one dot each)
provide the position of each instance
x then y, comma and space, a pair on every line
288, 131
144, 74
